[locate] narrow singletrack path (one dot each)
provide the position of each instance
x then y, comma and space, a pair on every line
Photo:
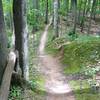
56, 85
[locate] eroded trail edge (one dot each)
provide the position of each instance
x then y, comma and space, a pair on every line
56, 85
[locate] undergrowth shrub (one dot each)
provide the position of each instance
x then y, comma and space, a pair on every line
15, 93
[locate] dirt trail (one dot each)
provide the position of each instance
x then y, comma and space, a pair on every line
56, 85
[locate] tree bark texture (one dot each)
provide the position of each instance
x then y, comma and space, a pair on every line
3, 43
56, 18
21, 35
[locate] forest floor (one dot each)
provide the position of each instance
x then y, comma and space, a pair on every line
56, 85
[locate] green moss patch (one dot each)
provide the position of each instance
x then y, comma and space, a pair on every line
83, 51
84, 92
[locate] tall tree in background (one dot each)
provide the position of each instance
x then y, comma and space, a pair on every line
74, 11
56, 18
83, 16
3, 43
46, 14
79, 12
36, 8
67, 5
7, 5
71, 7
21, 35
88, 7
91, 14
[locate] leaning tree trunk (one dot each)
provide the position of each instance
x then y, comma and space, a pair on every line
56, 18
21, 35
3, 43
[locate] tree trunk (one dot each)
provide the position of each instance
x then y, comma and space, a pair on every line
79, 12
67, 5
3, 43
91, 14
94, 11
56, 18
46, 14
36, 7
74, 15
83, 17
21, 35
88, 8
71, 6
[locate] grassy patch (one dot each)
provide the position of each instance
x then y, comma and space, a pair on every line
81, 52
85, 92
71, 69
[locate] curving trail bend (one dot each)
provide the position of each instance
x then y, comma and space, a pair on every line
56, 85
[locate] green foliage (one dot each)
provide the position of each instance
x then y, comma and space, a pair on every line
37, 80
94, 85
81, 53
33, 83
90, 71
85, 93
7, 5
72, 36
15, 93
33, 16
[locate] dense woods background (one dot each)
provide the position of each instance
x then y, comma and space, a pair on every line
74, 36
